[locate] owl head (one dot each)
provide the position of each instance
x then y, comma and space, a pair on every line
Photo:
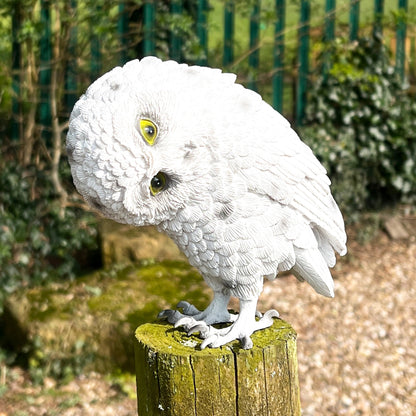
151, 137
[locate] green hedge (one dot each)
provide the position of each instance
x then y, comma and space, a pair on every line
37, 242
361, 123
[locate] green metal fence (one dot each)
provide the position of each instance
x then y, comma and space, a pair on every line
147, 22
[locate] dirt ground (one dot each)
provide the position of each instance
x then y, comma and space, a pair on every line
356, 352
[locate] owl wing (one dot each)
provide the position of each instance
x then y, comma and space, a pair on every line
285, 170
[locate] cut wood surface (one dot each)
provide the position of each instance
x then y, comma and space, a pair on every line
175, 377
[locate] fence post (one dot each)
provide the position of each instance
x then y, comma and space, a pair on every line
400, 39
378, 17
329, 33
253, 59
71, 95
201, 30
123, 32
228, 33
149, 44
175, 41
412, 57
354, 19
95, 47
45, 69
16, 74
279, 55
174, 377
303, 61
329, 20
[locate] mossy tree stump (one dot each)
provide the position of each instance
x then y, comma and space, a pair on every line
174, 377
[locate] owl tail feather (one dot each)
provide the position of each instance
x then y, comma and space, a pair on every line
312, 267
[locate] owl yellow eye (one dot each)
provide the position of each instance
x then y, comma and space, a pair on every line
148, 130
158, 183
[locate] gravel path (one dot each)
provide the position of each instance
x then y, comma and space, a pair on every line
356, 352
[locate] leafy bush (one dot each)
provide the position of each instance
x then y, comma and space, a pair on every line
361, 123
37, 242
62, 367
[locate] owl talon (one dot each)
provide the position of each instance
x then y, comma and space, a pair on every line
246, 343
187, 322
272, 313
169, 315
267, 319
203, 329
210, 342
191, 326
188, 308
238, 330
218, 339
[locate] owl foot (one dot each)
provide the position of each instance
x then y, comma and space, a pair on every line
243, 324
215, 313
173, 316
191, 325
238, 330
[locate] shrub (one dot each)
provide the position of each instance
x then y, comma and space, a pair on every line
361, 123
63, 367
37, 242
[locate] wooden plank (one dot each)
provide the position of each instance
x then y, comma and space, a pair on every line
277, 389
395, 229
214, 384
251, 385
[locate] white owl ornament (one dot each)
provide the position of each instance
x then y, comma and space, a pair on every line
212, 165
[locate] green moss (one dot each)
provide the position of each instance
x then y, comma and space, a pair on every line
103, 308
171, 279
145, 314
164, 337
138, 292
150, 287
280, 330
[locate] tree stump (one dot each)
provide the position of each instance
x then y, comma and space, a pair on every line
174, 377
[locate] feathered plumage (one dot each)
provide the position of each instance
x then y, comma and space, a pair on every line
217, 169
